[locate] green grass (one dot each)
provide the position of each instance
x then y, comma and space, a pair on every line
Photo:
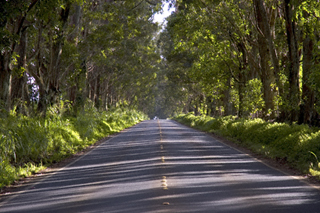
29, 144
298, 145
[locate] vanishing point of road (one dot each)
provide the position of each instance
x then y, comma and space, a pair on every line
162, 166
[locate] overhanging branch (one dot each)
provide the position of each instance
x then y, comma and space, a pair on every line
150, 2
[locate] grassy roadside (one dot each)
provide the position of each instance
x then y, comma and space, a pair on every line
30, 144
298, 145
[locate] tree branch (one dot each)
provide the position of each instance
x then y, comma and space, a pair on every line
152, 3
136, 5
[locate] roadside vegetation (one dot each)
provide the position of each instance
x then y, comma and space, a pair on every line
30, 144
71, 73
72, 61
297, 145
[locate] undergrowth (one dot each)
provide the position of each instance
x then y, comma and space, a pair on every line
298, 145
29, 144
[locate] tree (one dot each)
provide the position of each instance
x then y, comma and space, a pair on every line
294, 59
225, 39
13, 16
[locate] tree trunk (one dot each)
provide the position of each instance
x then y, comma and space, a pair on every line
39, 73
5, 76
226, 99
56, 51
19, 91
104, 95
196, 108
212, 107
306, 107
42, 104
242, 78
241, 86
265, 47
97, 92
293, 66
14, 27
54, 71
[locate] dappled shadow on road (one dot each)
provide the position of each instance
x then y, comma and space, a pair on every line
202, 175
207, 176
120, 175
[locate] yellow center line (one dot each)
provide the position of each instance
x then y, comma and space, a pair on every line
164, 183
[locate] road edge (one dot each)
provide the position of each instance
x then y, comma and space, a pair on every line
271, 163
29, 182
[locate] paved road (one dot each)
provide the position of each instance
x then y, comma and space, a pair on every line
162, 166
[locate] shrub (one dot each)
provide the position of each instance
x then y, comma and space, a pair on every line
27, 143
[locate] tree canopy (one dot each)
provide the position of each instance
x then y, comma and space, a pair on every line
257, 58
74, 50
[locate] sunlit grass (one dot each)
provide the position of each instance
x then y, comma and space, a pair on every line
29, 169
29, 144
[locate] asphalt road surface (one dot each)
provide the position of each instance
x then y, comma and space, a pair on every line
162, 166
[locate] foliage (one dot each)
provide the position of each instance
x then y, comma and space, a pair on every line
234, 58
298, 145
28, 143
74, 50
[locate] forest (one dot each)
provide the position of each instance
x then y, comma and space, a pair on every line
74, 51
253, 59
67, 59
256, 58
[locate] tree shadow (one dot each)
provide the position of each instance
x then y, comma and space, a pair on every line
126, 174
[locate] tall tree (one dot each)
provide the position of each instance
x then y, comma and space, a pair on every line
13, 15
294, 59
